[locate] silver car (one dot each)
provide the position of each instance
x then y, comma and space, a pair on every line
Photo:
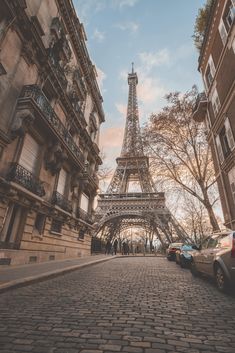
216, 258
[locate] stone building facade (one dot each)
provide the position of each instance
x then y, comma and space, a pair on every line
50, 116
217, 105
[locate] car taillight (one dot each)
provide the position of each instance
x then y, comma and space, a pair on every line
233, 248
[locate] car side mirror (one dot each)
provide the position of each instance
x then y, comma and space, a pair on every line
197, 247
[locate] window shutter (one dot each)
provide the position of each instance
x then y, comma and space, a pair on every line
84, 202
229, 134
223, 32
231, 177
233, 45
62, 182
29, 154
212, 66
215, 102
219, 149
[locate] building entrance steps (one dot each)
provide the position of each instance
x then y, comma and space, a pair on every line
22, 275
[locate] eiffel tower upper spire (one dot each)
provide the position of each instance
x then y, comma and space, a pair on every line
132, 142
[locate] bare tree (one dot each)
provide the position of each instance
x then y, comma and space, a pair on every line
104, 172
180, 150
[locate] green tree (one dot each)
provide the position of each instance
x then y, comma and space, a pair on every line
200, 23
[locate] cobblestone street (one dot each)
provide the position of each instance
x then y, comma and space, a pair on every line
135, 305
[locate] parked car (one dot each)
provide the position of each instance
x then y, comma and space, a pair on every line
216, 258
183, 255
170, 251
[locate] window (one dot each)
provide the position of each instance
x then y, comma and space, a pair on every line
29, 154
223, 32
56, 226
233, 45
229, 134
212, 242
225, 141
40, 223
215, 102
210, 72
224, 242
219, 149
84, 205
231, 177
61, 185
229, 14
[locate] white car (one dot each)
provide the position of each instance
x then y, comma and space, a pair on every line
216, 258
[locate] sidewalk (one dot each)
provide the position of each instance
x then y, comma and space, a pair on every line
18, 276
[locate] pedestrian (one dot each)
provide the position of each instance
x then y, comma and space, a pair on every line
115, 245
108, 247
124, 248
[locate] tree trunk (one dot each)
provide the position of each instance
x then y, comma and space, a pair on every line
211, 214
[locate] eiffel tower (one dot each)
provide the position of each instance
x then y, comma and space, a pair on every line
120, 208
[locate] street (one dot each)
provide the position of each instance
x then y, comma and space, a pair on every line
129, 304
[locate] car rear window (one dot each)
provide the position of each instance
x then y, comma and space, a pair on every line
187, 247
175, 245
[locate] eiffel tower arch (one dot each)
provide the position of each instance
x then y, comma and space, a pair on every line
120, 207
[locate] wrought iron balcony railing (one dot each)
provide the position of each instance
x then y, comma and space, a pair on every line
58, 69
83, 215
25, 178
200, 107
200, 98
61, 201
34, 92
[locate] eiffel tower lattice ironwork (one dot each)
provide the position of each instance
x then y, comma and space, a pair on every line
119, 208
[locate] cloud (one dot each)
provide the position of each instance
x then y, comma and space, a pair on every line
132, 27
123, 3
151, 59
101, 77
150, 90
86, 9
99, 36
111, 137
121, 108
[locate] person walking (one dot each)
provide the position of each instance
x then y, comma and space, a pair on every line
115, 245
108, 247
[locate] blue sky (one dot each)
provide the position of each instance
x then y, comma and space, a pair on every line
154, 34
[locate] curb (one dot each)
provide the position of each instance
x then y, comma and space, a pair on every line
47, 275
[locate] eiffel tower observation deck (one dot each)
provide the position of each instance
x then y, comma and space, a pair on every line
131, 199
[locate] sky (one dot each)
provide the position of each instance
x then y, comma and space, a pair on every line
154, 34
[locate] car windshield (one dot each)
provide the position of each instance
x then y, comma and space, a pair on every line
224, 242
187, 247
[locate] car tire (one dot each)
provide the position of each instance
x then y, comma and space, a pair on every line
221, 279
194, 270
182, 264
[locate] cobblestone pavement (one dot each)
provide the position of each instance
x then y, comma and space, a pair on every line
135, 305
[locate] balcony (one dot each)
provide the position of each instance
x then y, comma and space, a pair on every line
25, 178
79, 80
61, 201
33, 92
200, 108
57, 68
84, 216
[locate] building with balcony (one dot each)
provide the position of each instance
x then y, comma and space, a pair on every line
216, 107
50, 117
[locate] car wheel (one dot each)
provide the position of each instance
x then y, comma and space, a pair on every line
221, 280
194, 270
182, 264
